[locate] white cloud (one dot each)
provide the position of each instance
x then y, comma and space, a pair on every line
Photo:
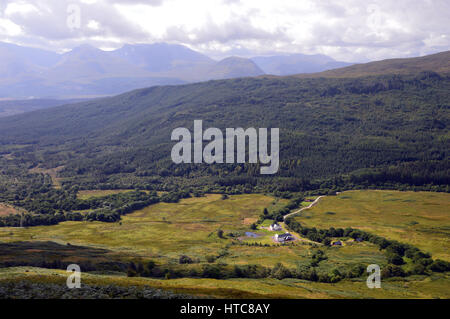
20, 8
8, 28
94, 25
350, 30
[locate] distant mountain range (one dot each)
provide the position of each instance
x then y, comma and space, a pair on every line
297, 63
87, 71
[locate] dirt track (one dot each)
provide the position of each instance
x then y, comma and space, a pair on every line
304, 208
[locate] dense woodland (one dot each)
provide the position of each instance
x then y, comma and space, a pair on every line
385, 131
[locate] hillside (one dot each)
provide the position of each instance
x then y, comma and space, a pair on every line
386, 129
439, 62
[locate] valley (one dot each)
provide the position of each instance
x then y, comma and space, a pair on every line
180, 153
163, 232
363, 179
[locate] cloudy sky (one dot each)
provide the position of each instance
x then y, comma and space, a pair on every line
347, 30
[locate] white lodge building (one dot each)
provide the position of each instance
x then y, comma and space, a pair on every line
275, 227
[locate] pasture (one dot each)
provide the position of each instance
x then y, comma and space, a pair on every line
419, 218
100, 193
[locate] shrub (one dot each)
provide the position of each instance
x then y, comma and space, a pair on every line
185, 260
440, 266
395, 259
210, 258
392, 271
279, 271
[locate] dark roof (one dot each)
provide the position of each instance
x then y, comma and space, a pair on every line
285, 235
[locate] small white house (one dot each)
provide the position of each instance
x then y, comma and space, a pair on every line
283, 237
275, 227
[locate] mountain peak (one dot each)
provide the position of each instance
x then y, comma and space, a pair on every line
161, 57
237, 67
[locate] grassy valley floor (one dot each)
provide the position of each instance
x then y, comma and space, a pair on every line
163, 232
419, 218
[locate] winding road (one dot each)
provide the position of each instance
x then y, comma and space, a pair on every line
304, 208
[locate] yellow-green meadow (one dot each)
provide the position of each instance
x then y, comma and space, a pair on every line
165, 231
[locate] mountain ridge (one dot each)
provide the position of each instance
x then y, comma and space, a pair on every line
289, 64
437, 62
86, 71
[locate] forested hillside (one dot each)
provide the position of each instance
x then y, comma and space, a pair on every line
385, 130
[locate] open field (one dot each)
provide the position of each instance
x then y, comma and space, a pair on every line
52, 172
7, 210
299, 254
158, 231
413, 287
419, 218
100, 193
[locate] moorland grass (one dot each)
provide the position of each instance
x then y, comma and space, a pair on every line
419, 218
159, 231
435, 286
164, 231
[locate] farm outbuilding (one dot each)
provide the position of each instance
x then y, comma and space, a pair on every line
284, 237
